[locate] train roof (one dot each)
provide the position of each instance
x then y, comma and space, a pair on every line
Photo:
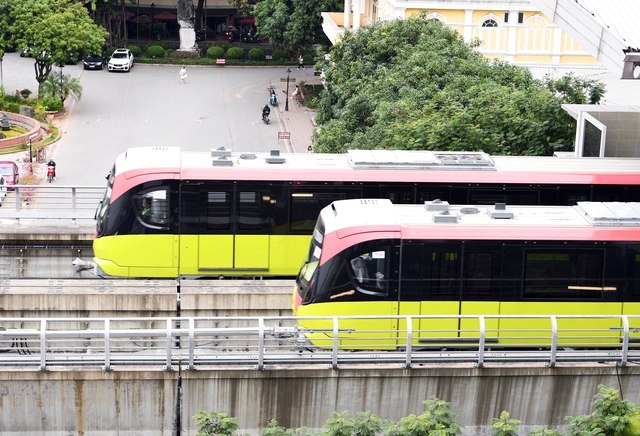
605, 221
379, 165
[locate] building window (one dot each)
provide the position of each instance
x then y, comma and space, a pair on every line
506, 17
490, 23
520, 17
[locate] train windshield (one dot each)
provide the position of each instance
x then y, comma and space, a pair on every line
104, 204
312, 260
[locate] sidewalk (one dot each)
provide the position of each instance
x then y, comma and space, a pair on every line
298, 120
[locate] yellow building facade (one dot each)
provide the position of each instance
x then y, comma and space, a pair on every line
511, 31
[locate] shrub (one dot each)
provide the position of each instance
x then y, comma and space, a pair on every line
235, 53
256, 54
155, 51
52, 103
110, 51
215, 52
135, 50
277, 55
184, 55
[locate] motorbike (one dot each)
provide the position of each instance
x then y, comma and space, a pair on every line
273, 98
51, 173
265, 116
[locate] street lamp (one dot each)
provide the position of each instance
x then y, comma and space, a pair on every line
33, 135
286, 98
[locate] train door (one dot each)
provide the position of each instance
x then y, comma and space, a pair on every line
430, 285
557, 279
225, 229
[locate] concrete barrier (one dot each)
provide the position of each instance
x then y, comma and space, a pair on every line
145, 402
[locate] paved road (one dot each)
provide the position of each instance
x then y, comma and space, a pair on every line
218, 106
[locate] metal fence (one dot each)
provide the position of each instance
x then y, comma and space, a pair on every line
50, 201
286, 342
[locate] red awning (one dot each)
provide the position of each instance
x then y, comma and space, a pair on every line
165, 16
248, 20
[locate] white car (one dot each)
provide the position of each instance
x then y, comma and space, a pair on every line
121, 60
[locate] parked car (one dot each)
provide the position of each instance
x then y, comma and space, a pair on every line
9, 172
74, 57
3, 190
121, 60
94, 62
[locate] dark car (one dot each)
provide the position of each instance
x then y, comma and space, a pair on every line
9, 171
93, 62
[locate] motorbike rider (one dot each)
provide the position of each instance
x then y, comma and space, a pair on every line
265, 111
273, 98
53, 165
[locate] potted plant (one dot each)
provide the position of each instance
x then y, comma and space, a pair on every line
25, 93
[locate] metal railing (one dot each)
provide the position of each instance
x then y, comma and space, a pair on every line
50, 202
286, 342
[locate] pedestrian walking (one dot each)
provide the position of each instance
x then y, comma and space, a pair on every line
183, 74
300, 62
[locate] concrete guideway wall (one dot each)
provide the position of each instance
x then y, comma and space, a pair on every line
95, 403
100, 298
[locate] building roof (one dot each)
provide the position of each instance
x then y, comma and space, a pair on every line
607, 30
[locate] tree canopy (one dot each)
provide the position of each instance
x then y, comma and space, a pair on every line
415, 84
293, 24
49, 30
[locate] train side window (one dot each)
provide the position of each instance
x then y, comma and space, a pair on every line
478, 269
444, 274
306, 204
249, 210
219, 210
370, 271
563, 274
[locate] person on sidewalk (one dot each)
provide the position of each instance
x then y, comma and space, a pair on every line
183, 74
300, 62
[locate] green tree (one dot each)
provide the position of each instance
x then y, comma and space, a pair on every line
365, 424
243, 6
436, 420
612, 416
504, 426
49, 30
273, 429
215, 424
293, 24
61, 86
415, 84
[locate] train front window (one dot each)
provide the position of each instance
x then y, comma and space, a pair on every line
152, 207
563, 274
104, 204
312, 260
369, 271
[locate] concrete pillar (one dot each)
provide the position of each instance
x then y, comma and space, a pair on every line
347, 15
356, 15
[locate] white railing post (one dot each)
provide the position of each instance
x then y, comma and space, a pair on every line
407, 363
334, 351
481, 341
554, 342
260, 343
43, 345
107, 345
192, 345
168, 366
625, 340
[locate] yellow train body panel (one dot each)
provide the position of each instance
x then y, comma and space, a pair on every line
353, 334
138, 255
151, 255
575, 331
